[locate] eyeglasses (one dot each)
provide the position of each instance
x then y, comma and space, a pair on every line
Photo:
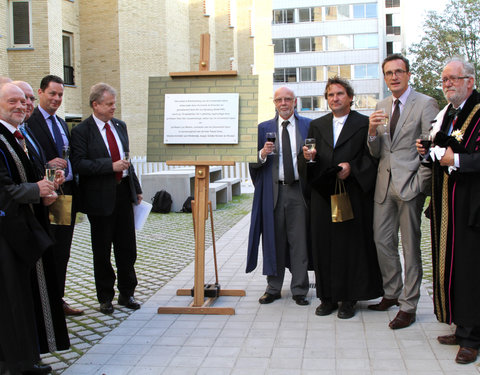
286, 100
398, 73
452, 79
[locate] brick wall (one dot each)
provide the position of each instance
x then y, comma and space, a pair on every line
245, 150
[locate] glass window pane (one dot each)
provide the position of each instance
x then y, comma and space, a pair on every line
277, 16
343, 12
362, 41
317, 43
319, 73
359, 11
279, 75
339, 42
306, 103
277, 45
291, 74
317, 14
66, 50
371, 100
305, 74
345, 71
289, 15
371, 10
331, 13
21, 23
360, 71
372, 71
304, 15
304, 44
290, 45
332, 71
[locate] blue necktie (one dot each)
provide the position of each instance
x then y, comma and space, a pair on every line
58, 141
57, 135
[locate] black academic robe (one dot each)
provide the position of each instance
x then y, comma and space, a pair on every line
455, 222
344, 254
28, 326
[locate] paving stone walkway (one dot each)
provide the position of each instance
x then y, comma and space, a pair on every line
165, 247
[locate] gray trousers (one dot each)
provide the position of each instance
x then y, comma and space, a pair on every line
290, 240
389, 216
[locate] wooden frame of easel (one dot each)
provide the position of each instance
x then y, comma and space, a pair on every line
200, 305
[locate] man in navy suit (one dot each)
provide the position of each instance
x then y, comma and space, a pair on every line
108, 187
52, 134
279, 212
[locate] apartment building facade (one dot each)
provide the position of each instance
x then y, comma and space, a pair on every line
316, 40
124, 42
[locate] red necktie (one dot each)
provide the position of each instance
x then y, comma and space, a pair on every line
21, 140
112, 145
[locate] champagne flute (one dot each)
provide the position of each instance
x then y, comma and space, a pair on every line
272, 137
50, 173
387, 120
65, 152
310, 143
126, 156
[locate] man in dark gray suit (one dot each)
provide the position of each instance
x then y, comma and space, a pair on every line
108, 187
400, 186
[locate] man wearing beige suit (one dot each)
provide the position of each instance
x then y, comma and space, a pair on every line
401, 180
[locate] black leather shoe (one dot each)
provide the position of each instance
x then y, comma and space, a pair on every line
268, 298
326, 308
106, 308
128, 302
37, 369
300, 300
346, 310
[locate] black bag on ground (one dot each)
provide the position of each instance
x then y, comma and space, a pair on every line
162, 202
187, 205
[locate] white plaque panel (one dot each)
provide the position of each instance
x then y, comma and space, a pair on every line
201, 119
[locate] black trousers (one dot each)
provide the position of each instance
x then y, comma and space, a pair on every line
117, 229
63, 235
468, 336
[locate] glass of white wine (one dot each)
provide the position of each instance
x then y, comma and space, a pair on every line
310, 143
51, 173
387, 120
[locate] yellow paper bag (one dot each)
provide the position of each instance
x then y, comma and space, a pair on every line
340, 202
60, 212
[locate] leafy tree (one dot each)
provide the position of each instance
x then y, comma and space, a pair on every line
455, 32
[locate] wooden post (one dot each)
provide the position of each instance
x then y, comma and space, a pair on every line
200, 215
204, 64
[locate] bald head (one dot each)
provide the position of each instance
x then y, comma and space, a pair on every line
29, 95
285, 102
4, 80
12, 104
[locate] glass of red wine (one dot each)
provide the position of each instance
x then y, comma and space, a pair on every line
271, 137
426, 141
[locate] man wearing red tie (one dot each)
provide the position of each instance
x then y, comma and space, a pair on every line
108, 187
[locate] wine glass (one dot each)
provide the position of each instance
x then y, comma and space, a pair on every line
66, 152
310, 143
51, 173
126, 156
387, 120
272, 137
426, 141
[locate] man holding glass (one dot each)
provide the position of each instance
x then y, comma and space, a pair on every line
455, 209
400, 186
52, 134
279, 212
344, 255
108, 187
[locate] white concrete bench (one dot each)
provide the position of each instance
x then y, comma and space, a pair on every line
179, 182
234, 186
217, 192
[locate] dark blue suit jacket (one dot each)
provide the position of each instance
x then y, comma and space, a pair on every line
265, 180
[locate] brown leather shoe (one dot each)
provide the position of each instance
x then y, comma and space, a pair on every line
384, 304
402, 320
466, 355
69, 310
447, 340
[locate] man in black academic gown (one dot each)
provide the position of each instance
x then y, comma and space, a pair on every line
31, 315
344, 255
455, 209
